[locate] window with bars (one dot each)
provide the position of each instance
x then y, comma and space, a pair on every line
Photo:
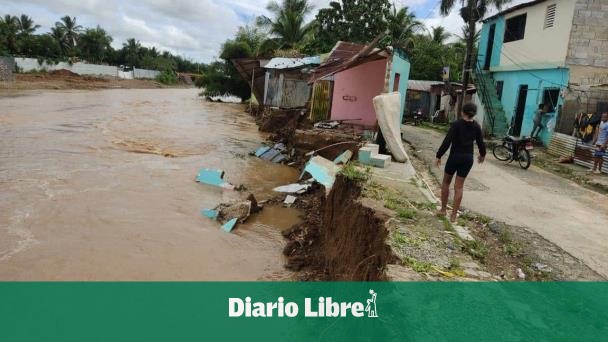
550, 16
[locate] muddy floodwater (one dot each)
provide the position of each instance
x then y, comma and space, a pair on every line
99, 185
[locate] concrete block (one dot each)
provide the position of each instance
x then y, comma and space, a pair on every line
381, 160
365, 155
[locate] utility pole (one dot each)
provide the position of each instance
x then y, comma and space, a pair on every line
466, 76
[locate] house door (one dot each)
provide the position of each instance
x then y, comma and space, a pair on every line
322, 92
490, 47
520, 110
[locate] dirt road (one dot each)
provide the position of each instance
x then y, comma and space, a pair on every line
99, 185
572, 217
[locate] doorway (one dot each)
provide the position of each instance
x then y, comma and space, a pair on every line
490, 47
520, 110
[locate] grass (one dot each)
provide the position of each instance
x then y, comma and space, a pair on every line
406, 213
352, 171
476, 249
442, 128
418, 266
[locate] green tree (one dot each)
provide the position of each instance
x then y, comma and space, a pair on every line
357, 21
70, 32
9, 26
94, 45
402, 26
131, 52
25, 35
471, 12
287, 25
439, 34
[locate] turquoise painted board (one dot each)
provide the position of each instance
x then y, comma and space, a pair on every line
229, 226
210, 213
400, 66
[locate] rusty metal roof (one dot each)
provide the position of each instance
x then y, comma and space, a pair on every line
418, 85
347, 55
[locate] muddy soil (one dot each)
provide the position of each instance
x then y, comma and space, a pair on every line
62, 80
341, 238
99, 185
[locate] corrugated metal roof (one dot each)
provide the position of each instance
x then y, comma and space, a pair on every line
419, 85
290, 63
563, 145
346, 55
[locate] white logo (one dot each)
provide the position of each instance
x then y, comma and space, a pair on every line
371, 305
318, 307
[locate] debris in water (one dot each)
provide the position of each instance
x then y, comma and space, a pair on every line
210, 213
290, 200
322, 170
213, 177
229, 226
344, 157
293, 188
275, 154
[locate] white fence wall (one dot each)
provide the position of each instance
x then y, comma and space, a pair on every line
31, 64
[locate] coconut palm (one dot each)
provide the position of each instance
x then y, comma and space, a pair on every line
439, 34
26, 25
71, 30
402, 27
287, 26
471, 12
9, 31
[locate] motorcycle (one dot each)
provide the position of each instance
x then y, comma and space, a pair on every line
514, 148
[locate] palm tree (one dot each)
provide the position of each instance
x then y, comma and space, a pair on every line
439, 34
287, 26
471, 12
58, 35
71, 30
402, 27
9, 26
26, 25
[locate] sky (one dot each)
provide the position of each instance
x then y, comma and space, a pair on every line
194, 29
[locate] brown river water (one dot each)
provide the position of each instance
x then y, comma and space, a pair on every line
99, 185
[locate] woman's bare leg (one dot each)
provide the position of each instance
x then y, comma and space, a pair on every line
458, 190
445, 194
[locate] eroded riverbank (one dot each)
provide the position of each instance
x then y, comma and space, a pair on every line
99, 185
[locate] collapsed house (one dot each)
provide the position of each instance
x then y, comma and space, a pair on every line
345, 84
278, 82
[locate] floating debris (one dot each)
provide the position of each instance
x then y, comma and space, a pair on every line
229, 226
327, 124
290, 200
210, 213
293, 188
213, 177
275, 154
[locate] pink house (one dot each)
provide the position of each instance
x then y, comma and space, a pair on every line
357, 75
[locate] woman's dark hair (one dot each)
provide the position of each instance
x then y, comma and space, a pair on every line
470, 109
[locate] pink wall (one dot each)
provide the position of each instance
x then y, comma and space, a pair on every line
354, 90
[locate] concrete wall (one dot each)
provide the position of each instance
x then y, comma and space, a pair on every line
537, 81
7, 65
354, 90
540, 48
32, 64
400, 66
587, 60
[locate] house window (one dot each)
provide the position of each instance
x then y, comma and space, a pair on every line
550, 16
550, 98
396, 82
499, 86
515, 28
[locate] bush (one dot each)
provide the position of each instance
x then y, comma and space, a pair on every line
167, 77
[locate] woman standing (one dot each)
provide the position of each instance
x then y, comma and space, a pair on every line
462, 135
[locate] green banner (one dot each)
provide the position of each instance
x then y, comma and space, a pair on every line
303, 311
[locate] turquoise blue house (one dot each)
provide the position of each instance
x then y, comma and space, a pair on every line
522, 63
